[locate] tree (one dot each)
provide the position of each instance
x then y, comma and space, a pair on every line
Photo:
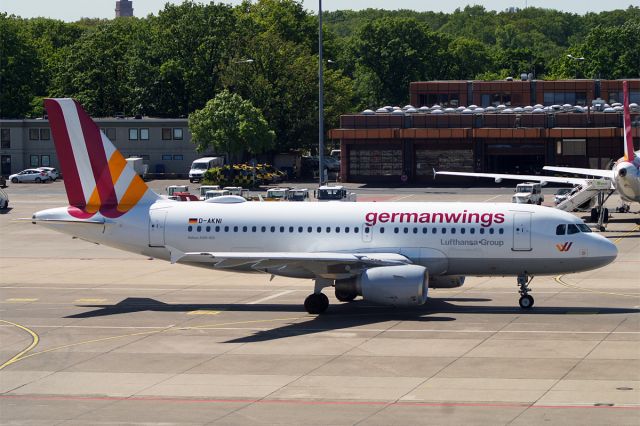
230, 124
20, 69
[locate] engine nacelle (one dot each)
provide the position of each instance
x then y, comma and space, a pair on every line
446, 281
404, 285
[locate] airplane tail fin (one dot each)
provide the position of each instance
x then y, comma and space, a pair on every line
629, 153
97, 177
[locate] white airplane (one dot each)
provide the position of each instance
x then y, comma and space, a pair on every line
624, 177
388, 253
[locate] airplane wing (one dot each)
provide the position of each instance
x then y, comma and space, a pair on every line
587, 172
498, 177
324, 264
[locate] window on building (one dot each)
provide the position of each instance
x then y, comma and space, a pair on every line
133, 134
44, 161
144, 134
166, 133
177, 133
34, 161
5, 138
442, 99
45, 134
574, 147
34, 134
178, 157
111, 133
561, 98
166, 157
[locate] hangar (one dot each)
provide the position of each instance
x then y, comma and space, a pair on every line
487, 126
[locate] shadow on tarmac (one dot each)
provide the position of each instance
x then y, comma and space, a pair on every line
342, 316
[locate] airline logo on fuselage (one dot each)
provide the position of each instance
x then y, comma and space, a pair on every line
564, 247
466, 217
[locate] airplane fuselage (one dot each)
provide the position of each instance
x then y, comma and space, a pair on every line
447, 238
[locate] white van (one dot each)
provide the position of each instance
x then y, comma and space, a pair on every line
201, 165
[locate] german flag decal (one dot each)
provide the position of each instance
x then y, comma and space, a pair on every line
193, 220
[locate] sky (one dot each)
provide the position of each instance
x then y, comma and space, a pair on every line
72, 10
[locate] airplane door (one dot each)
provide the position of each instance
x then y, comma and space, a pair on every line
157, 220
522, 231
367, 233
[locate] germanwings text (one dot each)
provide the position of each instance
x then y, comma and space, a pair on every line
484, 219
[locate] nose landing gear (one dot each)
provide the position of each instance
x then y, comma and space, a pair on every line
526, 300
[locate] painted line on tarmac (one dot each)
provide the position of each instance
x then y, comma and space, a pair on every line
404, 197
492, 198
273, 296
89, 300
20, 300
34, 342
317, 402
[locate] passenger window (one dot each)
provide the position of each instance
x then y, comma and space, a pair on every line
337, 229
500, 231
300, 229
482, 230
366, 229
190, 228
561, 229
282, 229
453, 230
226, 229
424, 230
444, 230
406, 230
434, 230
415, 230
208, 228
382, 230
472, 230
462, 231
572, 229
319, 229
199, 228
235, 229
310, 229
395, 230
356, 229
273, 229
254, 228
328, 229
244, 229
291, 229
263, 229
491, 230
217, 228
346, 229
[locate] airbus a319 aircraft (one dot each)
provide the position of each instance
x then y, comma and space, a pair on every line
388, 253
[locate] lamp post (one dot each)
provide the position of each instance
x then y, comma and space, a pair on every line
320, 97
576, 60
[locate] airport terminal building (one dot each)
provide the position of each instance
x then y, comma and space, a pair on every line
164, 144
487, 126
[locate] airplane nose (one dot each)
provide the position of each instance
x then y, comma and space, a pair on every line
604, 249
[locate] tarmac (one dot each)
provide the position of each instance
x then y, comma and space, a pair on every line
93, 335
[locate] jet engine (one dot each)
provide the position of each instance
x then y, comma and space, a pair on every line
446, 281
404, 285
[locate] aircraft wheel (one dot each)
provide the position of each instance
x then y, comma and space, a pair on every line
526, 302
345, 296
316, 303
606, 215
594, 214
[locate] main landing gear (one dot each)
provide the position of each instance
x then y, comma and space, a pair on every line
526, 300
318, 302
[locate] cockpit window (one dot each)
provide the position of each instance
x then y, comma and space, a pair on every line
572, 229
583, 228
561, 229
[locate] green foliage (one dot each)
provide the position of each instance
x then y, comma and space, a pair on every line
230, 124
242, 175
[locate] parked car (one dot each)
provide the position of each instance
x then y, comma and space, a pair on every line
561, 195
528, 193
53, 173
30, 175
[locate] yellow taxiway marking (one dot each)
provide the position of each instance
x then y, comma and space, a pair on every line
637, 228
203, 312
34, 341
582, 313
89, 300
20, 300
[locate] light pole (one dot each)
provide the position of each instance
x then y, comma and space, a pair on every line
576, 60
320, 97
